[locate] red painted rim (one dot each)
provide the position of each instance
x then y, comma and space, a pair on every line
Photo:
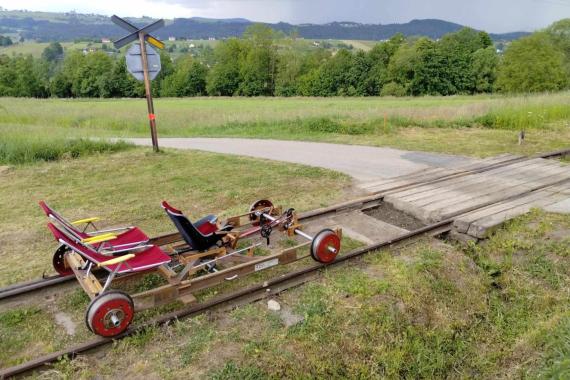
319, 248
100, 319
258, 205
59, 263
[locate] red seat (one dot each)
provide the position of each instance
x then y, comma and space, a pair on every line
146, 257
131, 234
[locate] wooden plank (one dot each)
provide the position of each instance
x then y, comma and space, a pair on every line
428, 212
88, 282
544, 178
482, 182
471, 201
463, 223
464, 207
411, 176
421, 176
410, 182
481, 228
433, 170
465, 178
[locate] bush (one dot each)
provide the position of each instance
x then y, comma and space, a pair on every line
393, 89
528, 117
17, 148
327, 125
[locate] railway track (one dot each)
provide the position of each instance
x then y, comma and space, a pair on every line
363, 204
253, 293
54, 280
250, 294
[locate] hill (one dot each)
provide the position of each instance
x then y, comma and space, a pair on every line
46, 26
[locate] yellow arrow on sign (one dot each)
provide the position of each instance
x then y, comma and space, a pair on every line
154, 42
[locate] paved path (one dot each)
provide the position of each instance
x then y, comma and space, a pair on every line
363, 163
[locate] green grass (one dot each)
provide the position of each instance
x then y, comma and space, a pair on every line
16, 328
474, 126
17, 147
127, 188
431, 310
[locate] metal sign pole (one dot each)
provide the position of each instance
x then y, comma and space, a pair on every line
148, 91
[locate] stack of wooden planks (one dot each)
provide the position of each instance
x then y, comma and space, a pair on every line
479, 196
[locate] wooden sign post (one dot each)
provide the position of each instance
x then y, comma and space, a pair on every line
140, 67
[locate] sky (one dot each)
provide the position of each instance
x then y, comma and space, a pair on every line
496, 16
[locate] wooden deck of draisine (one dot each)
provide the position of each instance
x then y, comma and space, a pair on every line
480, 196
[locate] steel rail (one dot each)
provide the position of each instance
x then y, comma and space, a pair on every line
247, 295
362, 203
46, 282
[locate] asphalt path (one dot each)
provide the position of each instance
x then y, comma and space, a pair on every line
363, 163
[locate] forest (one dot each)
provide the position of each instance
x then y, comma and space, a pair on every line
264, 62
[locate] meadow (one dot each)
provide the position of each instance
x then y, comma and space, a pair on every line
432, 310
468, 125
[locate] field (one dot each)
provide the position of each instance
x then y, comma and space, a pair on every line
432, 310
474, 126
178, 47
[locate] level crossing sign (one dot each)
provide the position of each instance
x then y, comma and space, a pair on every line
143, 62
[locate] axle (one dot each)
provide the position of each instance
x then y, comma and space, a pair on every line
297, 231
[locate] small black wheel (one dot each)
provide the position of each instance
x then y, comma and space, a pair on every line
59, 263
110, 313
257, 206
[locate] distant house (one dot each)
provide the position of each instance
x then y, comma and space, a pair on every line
88, 50
105, 40
171, 38
212, 39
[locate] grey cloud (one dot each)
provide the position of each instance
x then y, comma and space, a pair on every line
490, 15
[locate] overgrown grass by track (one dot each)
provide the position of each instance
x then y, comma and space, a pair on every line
21, 147
469, 125
432, 310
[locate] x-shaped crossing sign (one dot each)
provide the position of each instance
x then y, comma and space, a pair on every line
142, 34
135, 32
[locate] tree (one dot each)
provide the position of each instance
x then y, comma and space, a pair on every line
484, 67
61, 84
333, 78
121, 83
457, 51
5, 41
401, 70
532, 64
22, 76
53, 52
188, 79
84, 76
224, 78
259, 63
430, 72
167, 68
289, 69
559, 33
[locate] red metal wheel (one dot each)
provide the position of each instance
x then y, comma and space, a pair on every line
258, 205
110, 313
325, 246
59, 263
